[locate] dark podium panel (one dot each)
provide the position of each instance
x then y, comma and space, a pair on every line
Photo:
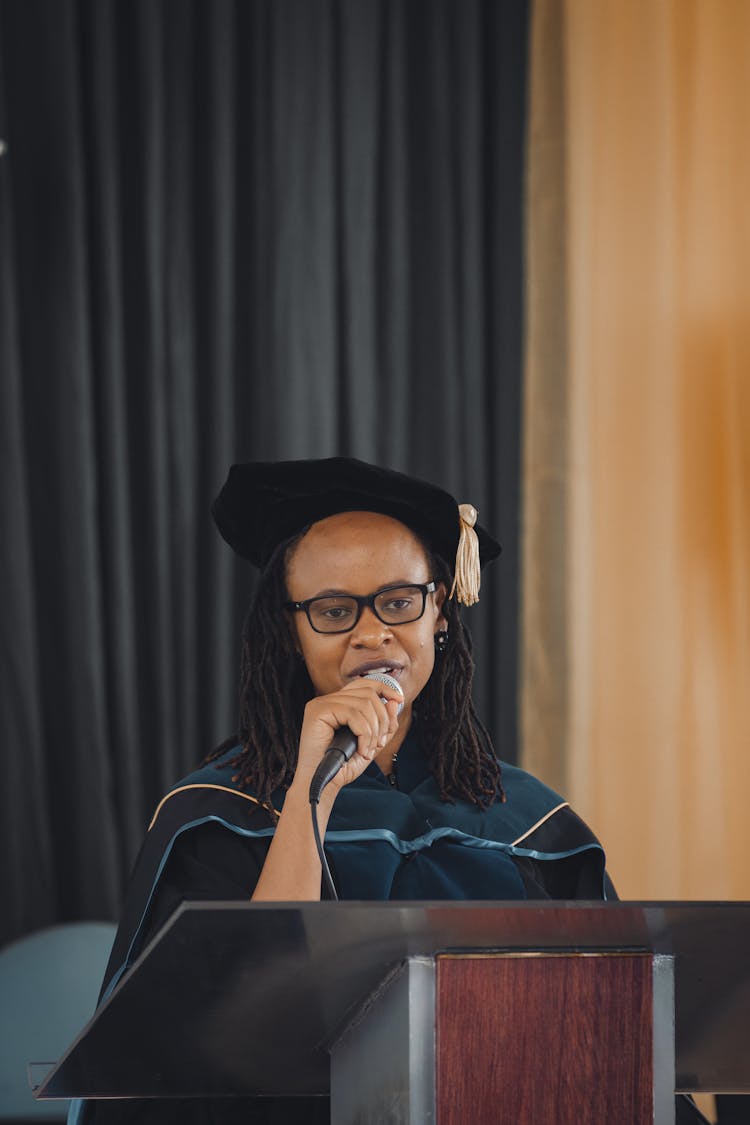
247, 999
552, 1038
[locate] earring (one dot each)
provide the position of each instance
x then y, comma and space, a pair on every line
441, 641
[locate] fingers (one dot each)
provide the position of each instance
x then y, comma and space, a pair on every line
375, 721
368, 718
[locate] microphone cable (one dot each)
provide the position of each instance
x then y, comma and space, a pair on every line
327, 877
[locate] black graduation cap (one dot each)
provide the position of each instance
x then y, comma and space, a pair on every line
264, 503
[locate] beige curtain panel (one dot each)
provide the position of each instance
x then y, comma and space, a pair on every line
636, 651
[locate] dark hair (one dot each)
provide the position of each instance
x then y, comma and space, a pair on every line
275, 686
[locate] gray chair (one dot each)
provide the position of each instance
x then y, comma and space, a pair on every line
49, 984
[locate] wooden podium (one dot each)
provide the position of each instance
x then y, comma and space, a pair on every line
453, 1013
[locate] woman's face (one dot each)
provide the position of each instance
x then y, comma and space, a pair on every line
359, 553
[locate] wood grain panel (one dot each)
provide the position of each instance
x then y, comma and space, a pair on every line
544, 1040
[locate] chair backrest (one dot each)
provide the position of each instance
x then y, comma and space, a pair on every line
49, 984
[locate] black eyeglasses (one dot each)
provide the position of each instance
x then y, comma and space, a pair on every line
339, 613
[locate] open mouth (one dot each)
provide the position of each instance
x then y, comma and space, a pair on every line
393, 670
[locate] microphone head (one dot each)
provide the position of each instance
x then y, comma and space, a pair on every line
389, 681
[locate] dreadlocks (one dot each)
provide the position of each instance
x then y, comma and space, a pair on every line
275, 686
463, 758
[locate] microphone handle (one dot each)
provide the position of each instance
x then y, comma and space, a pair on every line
343, 745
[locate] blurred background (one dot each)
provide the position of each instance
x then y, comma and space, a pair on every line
502, 246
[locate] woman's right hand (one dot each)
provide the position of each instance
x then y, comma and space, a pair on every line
368, 707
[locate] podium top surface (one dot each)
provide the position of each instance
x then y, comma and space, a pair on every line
244, 998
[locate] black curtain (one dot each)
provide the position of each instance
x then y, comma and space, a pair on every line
229, 229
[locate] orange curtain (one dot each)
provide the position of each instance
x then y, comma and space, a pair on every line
652, 629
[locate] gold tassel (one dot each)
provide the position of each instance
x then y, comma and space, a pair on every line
468, 570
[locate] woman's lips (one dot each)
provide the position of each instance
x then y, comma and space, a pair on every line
394, 669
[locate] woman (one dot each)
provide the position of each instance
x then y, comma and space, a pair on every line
362, 570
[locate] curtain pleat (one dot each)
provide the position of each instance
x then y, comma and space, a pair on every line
544, 665
360, 31
20, 715
215, 303
231, 229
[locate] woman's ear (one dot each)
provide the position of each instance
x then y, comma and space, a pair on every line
441, 594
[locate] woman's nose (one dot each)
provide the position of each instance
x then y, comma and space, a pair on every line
370, 631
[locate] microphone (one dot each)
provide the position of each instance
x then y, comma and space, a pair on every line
343, 745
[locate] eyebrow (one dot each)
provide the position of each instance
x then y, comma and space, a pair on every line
348, 594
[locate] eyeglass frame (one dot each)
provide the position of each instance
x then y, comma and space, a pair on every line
363, 600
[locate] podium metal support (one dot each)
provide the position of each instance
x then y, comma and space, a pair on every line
383, 1065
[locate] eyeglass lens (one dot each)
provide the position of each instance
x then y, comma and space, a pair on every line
339, 612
